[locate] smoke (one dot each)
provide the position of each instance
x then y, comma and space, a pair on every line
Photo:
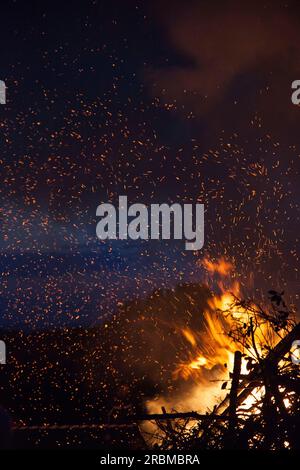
220, 44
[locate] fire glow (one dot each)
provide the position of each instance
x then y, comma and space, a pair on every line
212, 349
213, 345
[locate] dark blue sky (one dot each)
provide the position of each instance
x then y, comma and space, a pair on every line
180, 103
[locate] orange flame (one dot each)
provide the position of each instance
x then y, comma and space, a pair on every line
212, 346
211, 350
221, 266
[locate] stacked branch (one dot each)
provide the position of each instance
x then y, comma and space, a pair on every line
272, 421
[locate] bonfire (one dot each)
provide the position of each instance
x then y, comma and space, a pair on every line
256, 387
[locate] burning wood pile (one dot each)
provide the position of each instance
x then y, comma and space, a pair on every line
258, 402
260, 410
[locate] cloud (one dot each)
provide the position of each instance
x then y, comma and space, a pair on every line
221, 41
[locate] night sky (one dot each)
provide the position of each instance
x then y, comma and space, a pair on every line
162, 102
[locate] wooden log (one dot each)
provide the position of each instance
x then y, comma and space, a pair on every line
167, 416
234, 394
251, 381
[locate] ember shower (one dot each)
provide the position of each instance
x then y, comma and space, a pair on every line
169, 102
